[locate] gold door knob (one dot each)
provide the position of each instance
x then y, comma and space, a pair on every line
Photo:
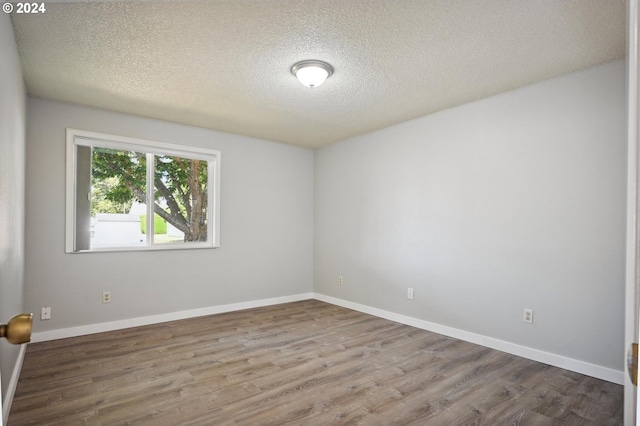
632, 363
18, 329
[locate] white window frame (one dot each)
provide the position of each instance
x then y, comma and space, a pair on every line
77, 137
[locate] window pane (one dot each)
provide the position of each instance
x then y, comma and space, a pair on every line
133, 194
180, 195
82, 199
118, 188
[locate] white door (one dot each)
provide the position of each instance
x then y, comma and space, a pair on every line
1, 416
632, 325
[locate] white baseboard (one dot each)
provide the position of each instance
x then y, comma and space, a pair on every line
63, 333
13, 384
597, 371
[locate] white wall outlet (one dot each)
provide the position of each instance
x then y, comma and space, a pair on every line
527, 316
106, 297
45, 314
340, 280
410, 293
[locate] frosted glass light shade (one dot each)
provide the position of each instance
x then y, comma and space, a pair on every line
312, 76
312, 73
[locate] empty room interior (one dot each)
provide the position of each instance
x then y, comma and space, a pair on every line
313, 212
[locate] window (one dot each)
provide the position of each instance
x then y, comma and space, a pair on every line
132, 194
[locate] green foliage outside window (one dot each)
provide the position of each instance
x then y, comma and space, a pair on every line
159, 224
180, 187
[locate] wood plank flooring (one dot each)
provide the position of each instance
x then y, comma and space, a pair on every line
302, 363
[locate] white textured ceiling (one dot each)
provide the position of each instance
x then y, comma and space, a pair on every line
225, 65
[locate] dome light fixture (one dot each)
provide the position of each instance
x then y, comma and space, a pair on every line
312, 73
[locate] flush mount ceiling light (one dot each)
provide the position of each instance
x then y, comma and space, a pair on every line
312, 73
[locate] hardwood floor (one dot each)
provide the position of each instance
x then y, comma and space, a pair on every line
302, 363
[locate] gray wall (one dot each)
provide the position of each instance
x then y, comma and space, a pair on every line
12, 148
510, 202
515, 201
266, 227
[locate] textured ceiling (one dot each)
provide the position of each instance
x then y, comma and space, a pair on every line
225, 65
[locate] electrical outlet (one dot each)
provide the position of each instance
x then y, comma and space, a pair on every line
106, 297
340, 280
527, 316
45, 314
410, 293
